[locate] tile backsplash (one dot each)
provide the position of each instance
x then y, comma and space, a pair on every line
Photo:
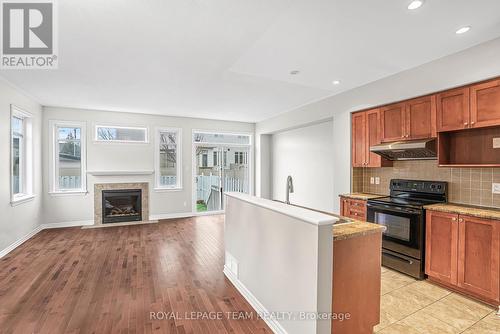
471, 186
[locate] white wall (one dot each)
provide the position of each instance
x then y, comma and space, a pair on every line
307, 155
18, 221
284, 262
111, 157
474, 64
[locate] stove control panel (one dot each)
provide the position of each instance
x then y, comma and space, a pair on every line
432, 187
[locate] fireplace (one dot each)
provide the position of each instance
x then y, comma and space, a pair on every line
123, 205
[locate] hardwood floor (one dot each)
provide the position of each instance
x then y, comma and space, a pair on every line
109, 280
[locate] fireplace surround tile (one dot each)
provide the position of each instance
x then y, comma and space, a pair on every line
99, 187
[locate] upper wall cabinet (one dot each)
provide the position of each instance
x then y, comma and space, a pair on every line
366, 133
475, 106
421, 118
413, 119
453, 110
485, 104
359, 139
392, 122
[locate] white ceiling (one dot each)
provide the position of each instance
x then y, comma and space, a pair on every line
231, 59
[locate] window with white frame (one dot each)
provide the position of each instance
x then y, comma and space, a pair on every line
68, 168
121, 134
21, 155
168, 159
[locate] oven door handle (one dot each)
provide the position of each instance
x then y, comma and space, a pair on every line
393, 209
397, 257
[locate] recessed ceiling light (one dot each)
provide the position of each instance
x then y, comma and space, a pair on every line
294, 72
462, 30
415, 4
336, 82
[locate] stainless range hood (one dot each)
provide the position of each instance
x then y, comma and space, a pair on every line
407, 150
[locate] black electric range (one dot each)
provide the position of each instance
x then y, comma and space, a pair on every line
403, 214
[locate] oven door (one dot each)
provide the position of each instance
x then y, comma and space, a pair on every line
404, 233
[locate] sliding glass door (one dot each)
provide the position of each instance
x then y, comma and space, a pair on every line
221, 164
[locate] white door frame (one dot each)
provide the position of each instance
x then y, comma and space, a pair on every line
219, 146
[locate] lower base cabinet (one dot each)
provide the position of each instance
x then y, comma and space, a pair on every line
353, 208
463, 253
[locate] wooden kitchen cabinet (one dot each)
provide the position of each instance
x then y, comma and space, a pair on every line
441, 246
463, 253
366, 133
420, 118
478, 257
485, 104
452, 109
409, 120
475, 106
359, 141
392, 122
353, 208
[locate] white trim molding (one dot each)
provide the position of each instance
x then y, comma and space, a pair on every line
273, 324
40, 228
20, 241
120, 173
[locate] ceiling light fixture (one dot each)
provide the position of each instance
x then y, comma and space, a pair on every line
336, 82
294, 72
462, 30
415, 4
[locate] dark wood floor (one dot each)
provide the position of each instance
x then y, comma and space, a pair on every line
109, 280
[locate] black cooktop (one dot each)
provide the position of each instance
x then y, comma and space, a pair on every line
401, 201
414, 193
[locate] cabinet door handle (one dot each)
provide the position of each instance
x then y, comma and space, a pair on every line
472, 123
460, 220
454, 219
466, 123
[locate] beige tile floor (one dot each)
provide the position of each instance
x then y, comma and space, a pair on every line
409, 306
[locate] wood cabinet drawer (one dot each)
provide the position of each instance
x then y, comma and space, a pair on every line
353, 208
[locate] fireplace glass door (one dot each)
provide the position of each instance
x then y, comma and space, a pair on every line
121, 206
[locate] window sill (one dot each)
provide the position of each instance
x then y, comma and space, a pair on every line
164, 190
68, 193
21, 199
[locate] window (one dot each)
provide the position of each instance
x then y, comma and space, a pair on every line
21, 156
121, 134
168, 159
68, 158
215, 159
204, 159
240, 158
220, 138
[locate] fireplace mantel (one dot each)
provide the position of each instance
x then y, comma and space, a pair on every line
120, 173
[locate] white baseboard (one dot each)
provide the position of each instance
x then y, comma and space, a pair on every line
39, 228
273, 324
20, 241
183, 215
68, 224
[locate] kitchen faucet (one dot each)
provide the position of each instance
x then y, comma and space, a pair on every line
289, 188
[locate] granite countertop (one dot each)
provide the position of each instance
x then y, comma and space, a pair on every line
362, 196
469, 210
355, 229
